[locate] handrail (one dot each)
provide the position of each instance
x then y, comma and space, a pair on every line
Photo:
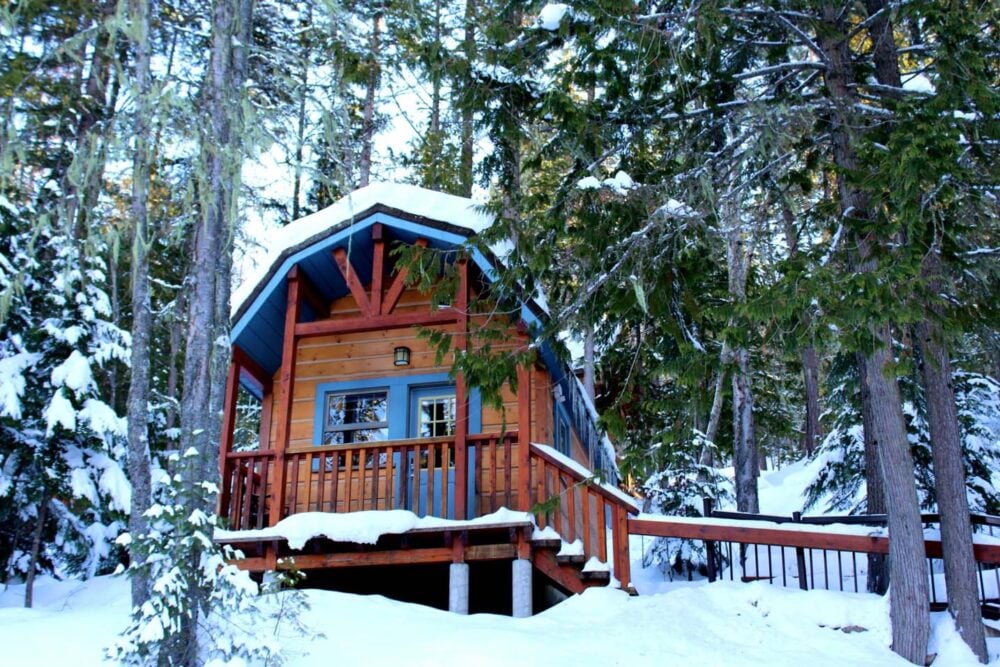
582, 479
378, 444
252, 454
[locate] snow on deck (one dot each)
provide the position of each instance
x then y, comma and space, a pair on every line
362, 527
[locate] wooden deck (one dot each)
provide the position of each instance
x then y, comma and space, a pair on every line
422, 476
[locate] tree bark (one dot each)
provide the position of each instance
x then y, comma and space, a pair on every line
36, 551
207, 348
878, 564
909, 607
807, 354
745, 455
469, 48
949, 475
368, 118
138, 394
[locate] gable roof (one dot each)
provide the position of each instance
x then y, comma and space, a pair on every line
410, 212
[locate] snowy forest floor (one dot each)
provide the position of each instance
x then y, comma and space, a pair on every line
672, 622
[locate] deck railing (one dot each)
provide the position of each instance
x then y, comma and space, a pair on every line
425, 476
814, 552
579, 508
420, 475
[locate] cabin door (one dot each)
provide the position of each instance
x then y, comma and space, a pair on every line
432, 415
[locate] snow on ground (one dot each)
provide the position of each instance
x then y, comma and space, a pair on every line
670, 622
722, 623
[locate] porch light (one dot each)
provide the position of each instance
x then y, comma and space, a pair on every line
401, 356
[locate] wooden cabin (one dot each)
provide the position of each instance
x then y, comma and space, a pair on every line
356, 414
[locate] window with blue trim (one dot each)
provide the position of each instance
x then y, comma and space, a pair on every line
563, 437
354, 417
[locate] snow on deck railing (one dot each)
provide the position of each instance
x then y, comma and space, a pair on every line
585, 474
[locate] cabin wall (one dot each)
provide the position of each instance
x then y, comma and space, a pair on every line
364, 357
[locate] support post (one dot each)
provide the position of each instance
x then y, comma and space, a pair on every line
226, 441
458, 575
523, 438
378, 267
461, 395
521, 571
709, 545
286, 386
800, 557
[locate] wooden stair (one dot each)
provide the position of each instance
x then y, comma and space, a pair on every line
565, 570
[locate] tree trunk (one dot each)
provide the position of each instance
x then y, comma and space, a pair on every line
707, 457
949, 476
469, 48
909, 607
745, 455
36, 550
878, 564
807, 354
300, 131
368, 118
138, 394
207, 349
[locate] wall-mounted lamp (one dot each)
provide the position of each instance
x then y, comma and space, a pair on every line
401, 356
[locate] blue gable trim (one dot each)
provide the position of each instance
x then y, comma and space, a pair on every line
398, 388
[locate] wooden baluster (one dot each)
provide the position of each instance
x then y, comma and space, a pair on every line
446, 450
602, 537
557, 522
348, 475
265, 465
585, 496
480, 484
494, 450
247, 495
293, 495
237, 501
571, 509
376, 455
508, 467
390, 481
308, 482
335, 482
540, 492
321, 482
429, 505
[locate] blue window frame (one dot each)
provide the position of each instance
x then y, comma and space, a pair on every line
563, 436
400, 392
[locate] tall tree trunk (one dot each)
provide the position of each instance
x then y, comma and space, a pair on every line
207, 350
300, 131
807, 353
142, 317
949, 475
909, 607
469, 50
707, 457
878, 564
745, 455
368, 118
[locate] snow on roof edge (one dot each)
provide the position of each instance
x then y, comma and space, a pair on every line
458, 211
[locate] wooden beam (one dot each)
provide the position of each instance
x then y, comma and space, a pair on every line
373, 558
228, 427
266, 409
253, 369
461, 395
523, 438
286, 386
378, 268
311, 294
376, 323
398, 284
353, 283
566, 577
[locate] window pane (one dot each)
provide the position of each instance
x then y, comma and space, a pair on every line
437, 417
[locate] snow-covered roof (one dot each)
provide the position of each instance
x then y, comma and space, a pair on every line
416, 201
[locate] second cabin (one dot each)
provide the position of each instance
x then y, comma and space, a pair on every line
355, 413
